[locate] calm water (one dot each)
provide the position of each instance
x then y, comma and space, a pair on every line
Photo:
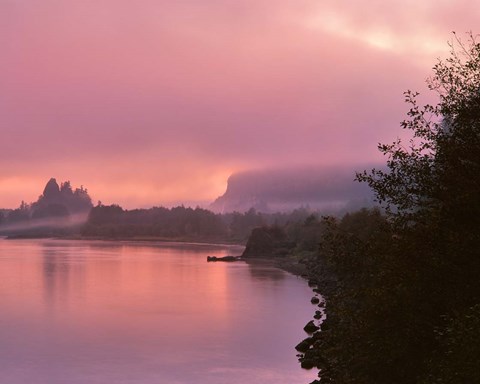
103, 312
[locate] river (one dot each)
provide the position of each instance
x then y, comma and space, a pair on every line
100, 312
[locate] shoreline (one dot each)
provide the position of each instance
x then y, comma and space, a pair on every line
140, 239
289, 264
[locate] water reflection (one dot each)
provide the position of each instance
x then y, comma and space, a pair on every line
265, 270
55, 277
100, 312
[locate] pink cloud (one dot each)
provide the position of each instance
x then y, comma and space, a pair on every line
158, 95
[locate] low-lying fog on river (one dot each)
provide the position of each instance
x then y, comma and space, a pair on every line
116, 312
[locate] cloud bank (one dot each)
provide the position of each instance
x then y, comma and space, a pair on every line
156, 102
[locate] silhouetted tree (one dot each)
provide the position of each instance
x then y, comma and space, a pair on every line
404, 307
20, 214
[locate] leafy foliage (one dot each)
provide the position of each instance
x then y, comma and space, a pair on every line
440, 167
404, 306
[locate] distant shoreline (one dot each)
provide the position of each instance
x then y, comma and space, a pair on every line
288, 263
129, 238
146, 239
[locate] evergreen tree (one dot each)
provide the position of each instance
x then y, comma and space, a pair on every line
404, 308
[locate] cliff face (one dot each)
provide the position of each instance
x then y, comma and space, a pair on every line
286, 189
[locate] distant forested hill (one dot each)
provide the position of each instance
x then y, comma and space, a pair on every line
57, 209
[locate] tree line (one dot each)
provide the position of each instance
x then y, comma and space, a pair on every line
181, 223
403, 287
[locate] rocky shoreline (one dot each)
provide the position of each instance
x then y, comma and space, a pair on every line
306, 348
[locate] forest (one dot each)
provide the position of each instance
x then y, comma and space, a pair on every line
58, 211
181, 223
402, 285
61, 212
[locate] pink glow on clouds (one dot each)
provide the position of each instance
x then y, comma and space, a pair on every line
155, 102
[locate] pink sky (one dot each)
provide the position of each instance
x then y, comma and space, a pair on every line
155, 102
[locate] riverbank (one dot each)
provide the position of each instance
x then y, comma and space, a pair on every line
306, 348
178, 239
149, 239
290, 264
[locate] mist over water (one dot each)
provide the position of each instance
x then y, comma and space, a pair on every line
103, 312
48, 222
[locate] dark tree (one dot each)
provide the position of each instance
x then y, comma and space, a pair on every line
20, 214
437, 174
404, 308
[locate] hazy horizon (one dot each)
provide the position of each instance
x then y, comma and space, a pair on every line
158, 103
279, 189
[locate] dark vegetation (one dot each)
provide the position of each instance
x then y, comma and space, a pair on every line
298, 239
59, 210
402, 283
403, 289
180, 223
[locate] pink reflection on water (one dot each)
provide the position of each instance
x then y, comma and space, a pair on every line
102, 312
